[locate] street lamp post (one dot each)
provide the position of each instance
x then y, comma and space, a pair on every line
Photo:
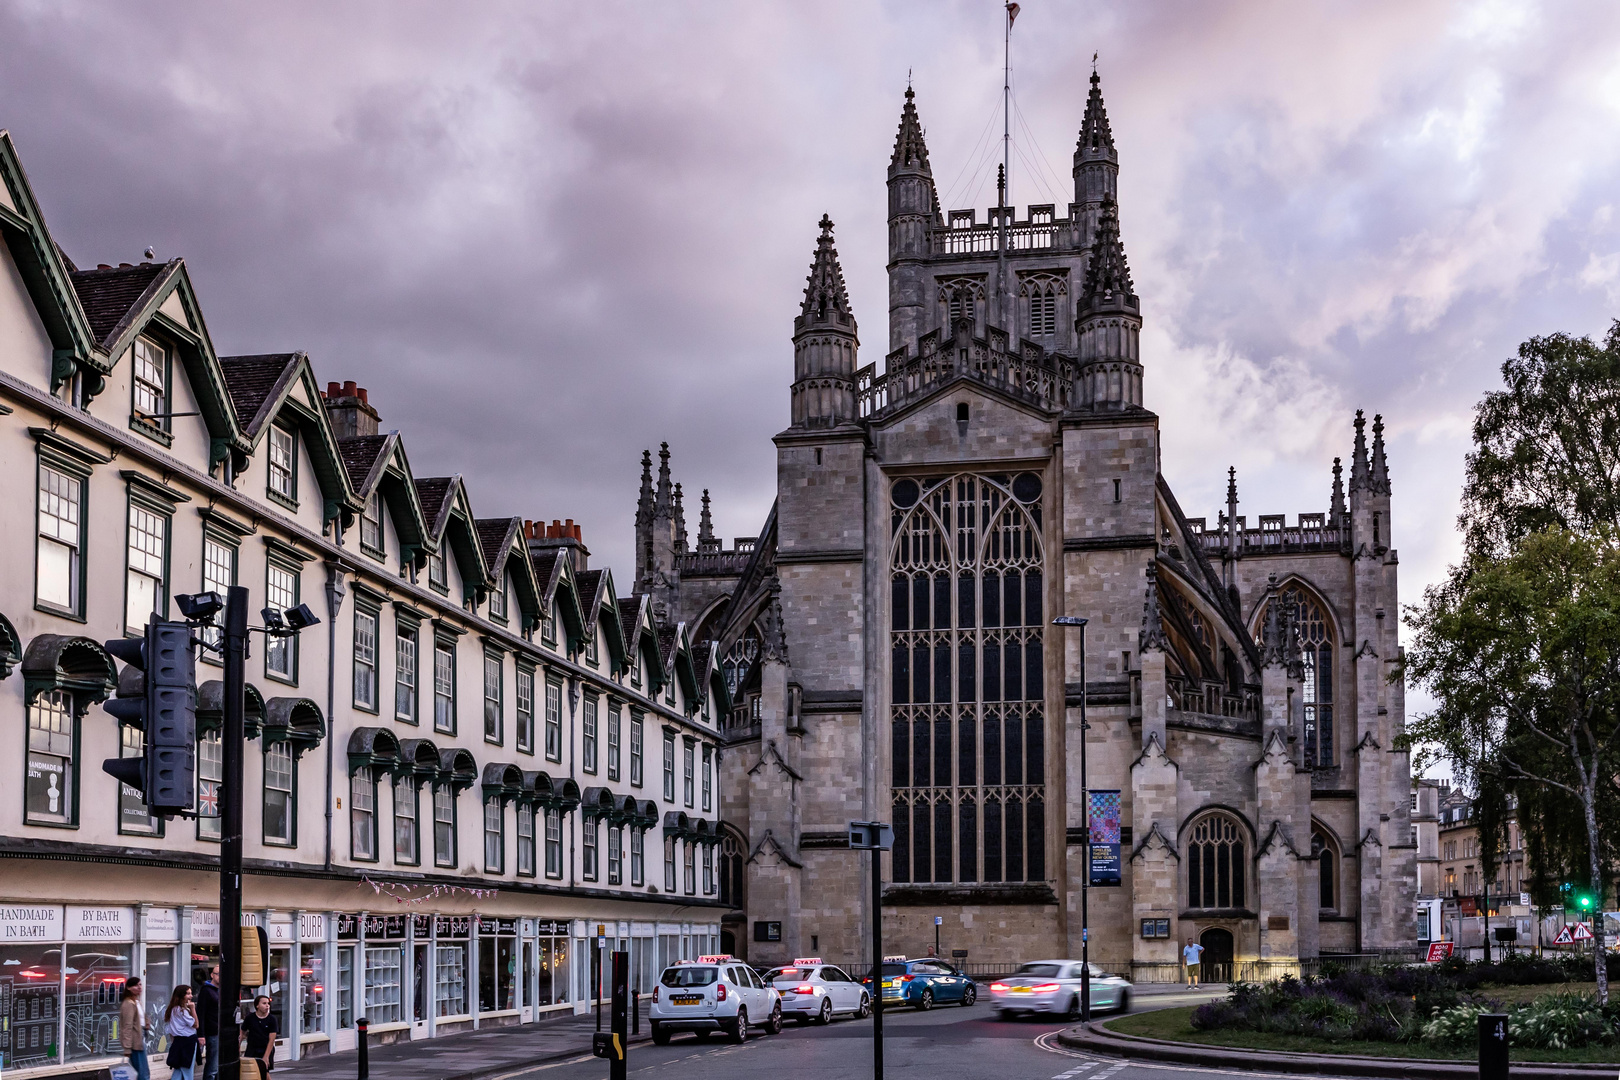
1085, 823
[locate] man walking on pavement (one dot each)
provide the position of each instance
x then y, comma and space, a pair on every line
208, 1023
1190, 956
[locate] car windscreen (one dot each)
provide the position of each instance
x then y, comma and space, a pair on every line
689, 976
1043, 971
789, 974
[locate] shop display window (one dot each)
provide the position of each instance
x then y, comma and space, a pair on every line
31, 1004
384, 968
450, 979
345, 986
311, 988
96, 973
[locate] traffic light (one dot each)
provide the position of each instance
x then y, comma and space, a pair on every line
255, 956
1585, 902
165, 710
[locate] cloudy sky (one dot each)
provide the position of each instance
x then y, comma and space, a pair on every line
549, 235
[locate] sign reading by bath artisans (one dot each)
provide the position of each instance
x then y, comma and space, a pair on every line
100, 923
30, 922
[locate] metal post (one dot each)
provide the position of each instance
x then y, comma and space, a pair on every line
877, 964
363, 1044
937, 921
230, 847
619, 1060
1085, 877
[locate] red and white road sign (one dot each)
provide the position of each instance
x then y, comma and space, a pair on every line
1582, 932
1564, 937
1439, 950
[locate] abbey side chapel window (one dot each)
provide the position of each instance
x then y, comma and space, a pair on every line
57, 566
1216, 863
968, 717
1317, 653
1327, 864
283, 464
149, 376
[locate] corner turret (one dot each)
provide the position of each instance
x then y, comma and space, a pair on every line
913, 211
1109, 325
825, 345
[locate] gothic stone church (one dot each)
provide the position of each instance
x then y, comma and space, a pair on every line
889, 634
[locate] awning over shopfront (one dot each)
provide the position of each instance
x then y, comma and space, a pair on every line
10, 647
78, 664
211, 705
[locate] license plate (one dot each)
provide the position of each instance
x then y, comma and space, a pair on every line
888, 984
1020, 989
686, 999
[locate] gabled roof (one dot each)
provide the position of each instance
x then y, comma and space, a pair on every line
506, 552
261, 390
676, 650
599, 602
495, 537
641, 638
706, 662
452, 522
378, 463
113, 297
45, 271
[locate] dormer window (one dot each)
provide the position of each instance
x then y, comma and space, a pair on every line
590, 650
283, 463
497, 601
548, 625
371, 531
151, 383
438, 571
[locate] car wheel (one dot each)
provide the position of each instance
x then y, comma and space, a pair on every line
1124, 1001
773, 1026
866, 1007
660, 1036
824, 1017
926, 1000
970, 995
1073, 1011
739, 1027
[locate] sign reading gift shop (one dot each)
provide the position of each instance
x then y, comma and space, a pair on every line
100, 923
30, 922
1104, 817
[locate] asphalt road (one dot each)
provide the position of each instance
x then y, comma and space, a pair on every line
949, 1043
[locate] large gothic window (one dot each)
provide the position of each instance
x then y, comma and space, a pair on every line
968, 680
1216, 864
1315, 631
739, 659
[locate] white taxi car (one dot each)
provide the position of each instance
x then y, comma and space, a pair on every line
713, 993
813, 990
1053, 986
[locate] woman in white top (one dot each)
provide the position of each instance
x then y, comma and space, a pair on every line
180, 1021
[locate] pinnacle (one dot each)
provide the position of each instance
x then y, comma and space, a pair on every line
1108, 276
825, 297
910, 152
1096, 137
1360, 471
1379, 473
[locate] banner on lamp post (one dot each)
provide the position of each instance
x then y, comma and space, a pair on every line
1103, 814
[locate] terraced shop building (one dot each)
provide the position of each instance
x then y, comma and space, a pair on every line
482, 753
890, 633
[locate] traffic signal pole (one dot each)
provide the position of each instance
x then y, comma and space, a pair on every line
228, 1046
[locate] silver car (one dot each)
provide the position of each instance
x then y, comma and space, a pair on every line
1053, 987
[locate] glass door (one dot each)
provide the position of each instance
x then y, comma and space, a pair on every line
281, 989
420, 982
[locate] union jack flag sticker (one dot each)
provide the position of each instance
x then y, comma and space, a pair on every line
208, 799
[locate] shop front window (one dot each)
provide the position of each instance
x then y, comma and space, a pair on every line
96, 973
31, 987
345, 986
311, 988
497, 974
450, 979
384, 966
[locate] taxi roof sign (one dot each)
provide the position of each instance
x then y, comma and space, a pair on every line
808, 960
894, 959
717, 958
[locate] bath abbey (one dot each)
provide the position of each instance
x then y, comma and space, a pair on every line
889, 645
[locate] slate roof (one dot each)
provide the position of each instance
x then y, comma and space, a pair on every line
251, 380
108, 296
494, 535
630, 619
360, 455
590, 596
545, 572
667, 640
431, 493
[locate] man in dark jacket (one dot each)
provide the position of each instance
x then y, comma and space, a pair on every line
208, 1023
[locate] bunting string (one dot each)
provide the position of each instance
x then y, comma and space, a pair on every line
403, 893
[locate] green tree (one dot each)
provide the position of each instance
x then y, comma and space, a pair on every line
1547, 446
1521, 652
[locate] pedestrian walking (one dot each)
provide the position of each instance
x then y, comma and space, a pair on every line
132, 1027
1191, 956
180, 1021
259, 1029
208, 1023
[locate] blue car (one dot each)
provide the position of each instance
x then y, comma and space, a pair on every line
922, 984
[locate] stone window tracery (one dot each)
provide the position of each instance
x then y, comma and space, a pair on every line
1327, 857
1216, 864
1316, 645
967, 679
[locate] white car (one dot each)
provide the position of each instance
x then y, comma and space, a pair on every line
713, 993
812, 990
1053, 986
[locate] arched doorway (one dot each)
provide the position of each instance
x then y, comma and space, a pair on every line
1216, 963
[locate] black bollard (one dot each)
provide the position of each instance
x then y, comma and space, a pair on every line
635, 1013
365, 1056
1493, 1046
619, 1063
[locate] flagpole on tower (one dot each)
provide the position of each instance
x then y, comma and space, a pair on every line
1006, 161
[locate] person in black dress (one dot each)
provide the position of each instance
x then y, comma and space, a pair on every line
259, 1029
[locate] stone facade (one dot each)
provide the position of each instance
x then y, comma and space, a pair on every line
888, 635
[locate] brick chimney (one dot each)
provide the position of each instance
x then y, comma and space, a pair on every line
564, 535
349, 410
